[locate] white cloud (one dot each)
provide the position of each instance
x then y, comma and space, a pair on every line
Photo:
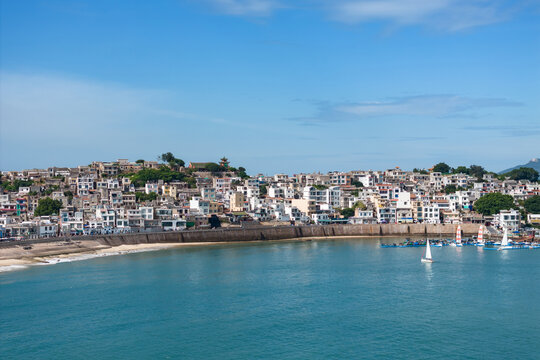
49, 104
449, 15
246, 7
420, 106
446, 15
432, 105
60, 117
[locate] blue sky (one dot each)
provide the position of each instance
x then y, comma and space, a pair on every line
276, 86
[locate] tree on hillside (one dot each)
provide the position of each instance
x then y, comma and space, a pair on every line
442, 168
163, 173
359, 205
16, 184
451, 188
477, 170
357, 183
493, 203
140, 161
215, 168
523, 173
141, 196
461, 170
347, 212
420, 171
171, 160
242, 172
532, 204
47, 206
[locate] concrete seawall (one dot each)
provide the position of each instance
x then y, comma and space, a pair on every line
286, 232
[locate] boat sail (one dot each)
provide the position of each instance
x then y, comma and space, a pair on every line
427, 257
480, 240
458, 237
504, 242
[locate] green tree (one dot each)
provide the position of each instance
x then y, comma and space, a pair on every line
242, 172
16, 184
532, 204
523, 173
140, 196
320, 187
420, 171
347, 212
461, 170
171, 160
47, 206
442, 168
492, 203
263, 189
51, 189
357, 183
192, 183
140, 161
450, 189
477, 171
215, 168
163, 173
359, 205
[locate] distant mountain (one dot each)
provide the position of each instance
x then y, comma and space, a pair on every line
534, 163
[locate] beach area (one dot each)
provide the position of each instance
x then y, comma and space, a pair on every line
16, 257
50, 253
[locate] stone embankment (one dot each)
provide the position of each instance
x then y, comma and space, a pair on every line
288, 232
264, 233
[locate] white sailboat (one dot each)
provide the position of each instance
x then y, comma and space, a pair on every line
458, 238
504, 242
480, 240
427, 257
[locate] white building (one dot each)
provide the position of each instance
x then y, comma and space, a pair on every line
509, 219
147, 212
330, 196
173, 225
151, 188
200, 206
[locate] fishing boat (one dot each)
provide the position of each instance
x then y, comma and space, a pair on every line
480, 239
427, 257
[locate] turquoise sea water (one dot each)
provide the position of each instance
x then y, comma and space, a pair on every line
331, 299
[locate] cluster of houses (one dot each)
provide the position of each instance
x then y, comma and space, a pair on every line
100, 198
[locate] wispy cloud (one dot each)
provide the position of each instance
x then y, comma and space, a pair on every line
507, 130
426, 106
256, 8
57, 114
446, 15
452, 15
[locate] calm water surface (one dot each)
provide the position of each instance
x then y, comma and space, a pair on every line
288, 300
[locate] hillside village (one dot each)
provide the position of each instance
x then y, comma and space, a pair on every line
169, 195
